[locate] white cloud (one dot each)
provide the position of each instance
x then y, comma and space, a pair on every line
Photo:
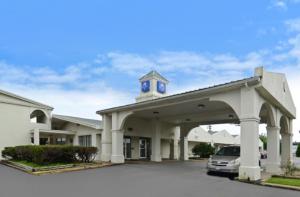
283, 4
293, 24
80, 89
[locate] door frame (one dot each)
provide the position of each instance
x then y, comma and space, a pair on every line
125, 148
145, 149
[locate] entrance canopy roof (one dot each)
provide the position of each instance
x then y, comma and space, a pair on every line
216, 104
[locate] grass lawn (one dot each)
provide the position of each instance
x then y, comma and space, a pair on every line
34, 165
284, 181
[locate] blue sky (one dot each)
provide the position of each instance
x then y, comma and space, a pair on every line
81, 56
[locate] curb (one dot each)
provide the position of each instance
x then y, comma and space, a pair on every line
261, 183
281, 186
32, 171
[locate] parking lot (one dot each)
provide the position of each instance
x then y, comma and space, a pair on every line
132, 180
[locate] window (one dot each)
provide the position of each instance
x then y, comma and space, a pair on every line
61, 140
85, 140
38, 116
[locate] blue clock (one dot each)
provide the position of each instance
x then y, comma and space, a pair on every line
146, 86
161, 87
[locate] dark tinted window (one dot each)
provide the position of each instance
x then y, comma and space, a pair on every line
229, 151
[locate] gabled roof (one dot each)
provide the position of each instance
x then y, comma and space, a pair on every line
153, 73
96, 124
216, 88
41, 105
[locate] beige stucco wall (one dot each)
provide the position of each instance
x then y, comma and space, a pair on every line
143, 128
82, 130
15, 125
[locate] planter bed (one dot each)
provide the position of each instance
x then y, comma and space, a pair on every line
52, 168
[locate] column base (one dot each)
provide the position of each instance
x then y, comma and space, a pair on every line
273, 168
156, 158
117, 159
249, 173
184, 159
105, 157
285, 163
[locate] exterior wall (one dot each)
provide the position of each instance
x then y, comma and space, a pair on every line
15, 125
237, 140
223, 137
141, 128
144, 128
82, 130
165, 149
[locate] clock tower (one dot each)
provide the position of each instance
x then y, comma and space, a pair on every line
153, 86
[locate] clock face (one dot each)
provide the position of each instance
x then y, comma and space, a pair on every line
161, 87
146, 86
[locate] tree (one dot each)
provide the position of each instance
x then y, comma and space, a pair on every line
263, 138
203, 150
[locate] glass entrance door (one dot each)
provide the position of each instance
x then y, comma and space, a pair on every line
143, 148
127, 147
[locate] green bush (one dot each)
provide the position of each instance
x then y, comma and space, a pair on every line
298, 151
50, 153
203, 150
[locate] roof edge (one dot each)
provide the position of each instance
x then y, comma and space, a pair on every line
255, 80
26, 99
69, 119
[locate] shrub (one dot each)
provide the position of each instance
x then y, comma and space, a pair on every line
203, 150
298, 151
289, 168
86, 154
50, 153
9, 153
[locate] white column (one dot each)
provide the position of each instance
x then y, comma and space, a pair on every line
36, 136
249, 168
94, 140
175, 150
75, 140
176, 136
117, 146
184, 155
117, 155
273, 146
156, 142
286, 148
106, 138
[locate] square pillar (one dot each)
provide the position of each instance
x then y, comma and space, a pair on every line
273, 146
117, 146
286, 148
249, 168
156, 142
75, 140
184, 155
94, 140
106, 138
175, 149
174, 144
36, 136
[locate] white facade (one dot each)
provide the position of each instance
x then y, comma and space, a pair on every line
16, 127
25, 122
157, 126
263, 98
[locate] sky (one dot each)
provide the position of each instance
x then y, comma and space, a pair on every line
82, 56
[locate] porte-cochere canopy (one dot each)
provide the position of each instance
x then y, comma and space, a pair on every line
263, 98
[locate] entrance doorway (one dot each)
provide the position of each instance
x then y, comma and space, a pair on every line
127, 147
144, 147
